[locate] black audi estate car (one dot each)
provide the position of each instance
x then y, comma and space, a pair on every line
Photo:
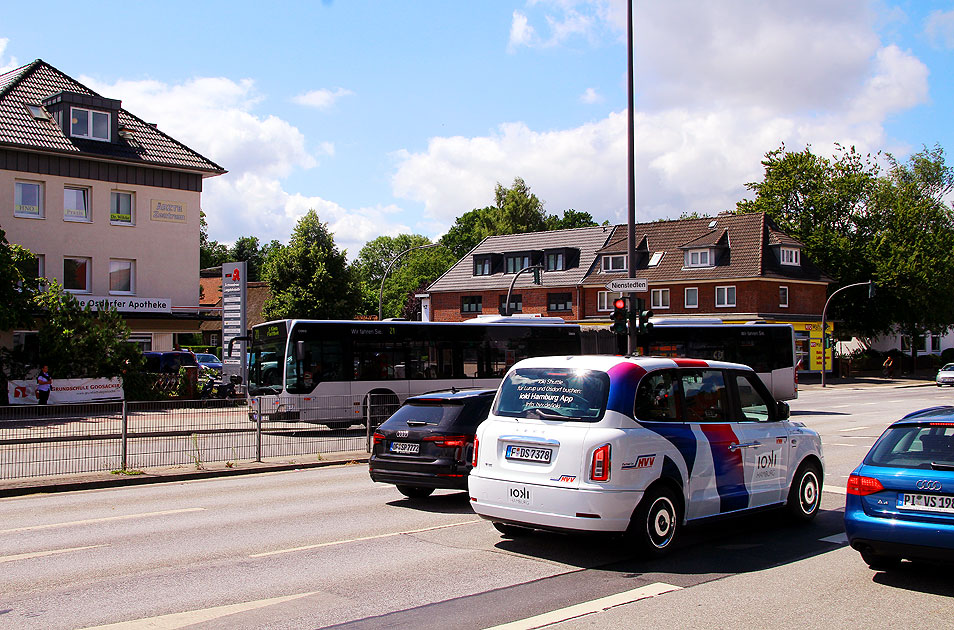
428, 442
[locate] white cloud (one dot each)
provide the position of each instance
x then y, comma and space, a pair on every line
591, 96
321, 99
521, 33
12, 62
939, 28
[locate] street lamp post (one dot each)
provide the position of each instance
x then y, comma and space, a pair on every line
391, 264
871, 287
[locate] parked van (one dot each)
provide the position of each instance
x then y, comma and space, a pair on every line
638, 446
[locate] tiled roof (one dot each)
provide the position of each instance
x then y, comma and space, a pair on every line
143, 143
256, 294
588, 240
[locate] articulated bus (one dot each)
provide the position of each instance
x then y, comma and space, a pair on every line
769, 349
339, 373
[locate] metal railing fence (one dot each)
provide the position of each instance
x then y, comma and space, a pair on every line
38, 441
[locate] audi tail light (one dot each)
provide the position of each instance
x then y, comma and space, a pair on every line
378, 438
600, 467
863, 486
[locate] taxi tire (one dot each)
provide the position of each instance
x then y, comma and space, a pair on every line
804, 495
415, 492
511, 531
656, 523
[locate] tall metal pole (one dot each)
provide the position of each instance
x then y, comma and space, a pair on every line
870, 285
391, 264
631, 169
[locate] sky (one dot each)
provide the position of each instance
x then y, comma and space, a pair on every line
398, 116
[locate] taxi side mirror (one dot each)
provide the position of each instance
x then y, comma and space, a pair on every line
784, 411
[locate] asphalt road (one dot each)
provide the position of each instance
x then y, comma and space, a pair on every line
329, 548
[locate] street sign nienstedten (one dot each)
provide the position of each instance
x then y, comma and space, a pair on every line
634, 285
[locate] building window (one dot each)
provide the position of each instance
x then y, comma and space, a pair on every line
122, 276
516, 303
698, 258
28, 200
516, 263
725, 296
655, 258
790, 256
37, 111
76, 204
214, 339
614, 263
76, 274
936, 343
85, 123
471, 304
482, 266
559, 302
605, 299
121, 207
783, 297
660, 298
555, 262
692, 297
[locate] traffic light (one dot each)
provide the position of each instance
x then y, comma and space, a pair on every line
536, 274
871, 289
642, 319
829, 341
619, 325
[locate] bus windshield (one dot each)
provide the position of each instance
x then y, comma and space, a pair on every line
267, 359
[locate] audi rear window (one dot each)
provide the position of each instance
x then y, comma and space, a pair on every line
554, 394
928, 446
427, 414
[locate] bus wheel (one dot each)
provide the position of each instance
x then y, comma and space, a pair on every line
415, 492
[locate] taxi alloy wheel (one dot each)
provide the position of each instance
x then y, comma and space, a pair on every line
656, 522
804, 497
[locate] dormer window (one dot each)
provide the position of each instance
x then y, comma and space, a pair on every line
516, 262
88, 123
556, 261
790, 256
482, 266
613, 263
699, 258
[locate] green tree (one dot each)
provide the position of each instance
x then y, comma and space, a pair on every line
246, 250
18, 283
310, 278
518, 210
468, 230
211, 253
571, 219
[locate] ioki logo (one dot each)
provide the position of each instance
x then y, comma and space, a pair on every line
520, 495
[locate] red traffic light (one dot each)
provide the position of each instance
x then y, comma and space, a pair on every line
619, 303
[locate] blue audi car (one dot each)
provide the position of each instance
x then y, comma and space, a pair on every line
901, 498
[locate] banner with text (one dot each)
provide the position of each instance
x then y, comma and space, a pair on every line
69, 390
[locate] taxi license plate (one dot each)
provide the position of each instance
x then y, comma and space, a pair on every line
405, 447
529, 454
926, 502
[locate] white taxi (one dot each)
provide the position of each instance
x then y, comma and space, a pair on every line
638, 446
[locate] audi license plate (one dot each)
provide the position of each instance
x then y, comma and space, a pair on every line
529, 454
926, 502
405, 447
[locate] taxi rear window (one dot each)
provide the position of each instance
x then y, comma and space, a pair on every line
553, 394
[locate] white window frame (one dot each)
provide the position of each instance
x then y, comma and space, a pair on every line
724, 301
655, 259
699, 254
558, 261
520, 261
935, 344
87, 196
695, 291
89, 274
783, 303
605, 299
609, 260
117, 262
790, 256
90, 114
475, 301
18, 198
659, 298
113, 194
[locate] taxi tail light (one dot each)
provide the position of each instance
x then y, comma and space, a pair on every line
474, 462
863, 486
600, 468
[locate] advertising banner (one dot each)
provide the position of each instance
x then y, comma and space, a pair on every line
71, 390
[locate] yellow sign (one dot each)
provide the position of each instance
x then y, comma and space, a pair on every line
172, 211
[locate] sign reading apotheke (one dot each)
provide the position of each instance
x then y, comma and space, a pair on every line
172, 211
126, 303
234, 298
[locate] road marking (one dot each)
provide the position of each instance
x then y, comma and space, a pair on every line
362, 539
836, 489
837, 539
588, 608
839, 444
106, 519
853, 429
190, 617
41, 554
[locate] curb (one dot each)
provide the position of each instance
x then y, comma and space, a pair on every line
98, 480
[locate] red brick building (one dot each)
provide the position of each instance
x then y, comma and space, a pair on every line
737, 268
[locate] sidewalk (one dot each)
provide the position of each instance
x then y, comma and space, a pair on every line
813, 381
107, 479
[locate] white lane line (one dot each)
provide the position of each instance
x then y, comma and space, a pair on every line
42, 554
836, 489
853, 429
837, 539
190, 617
106, 519
590, 607
840, 444
333, 543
